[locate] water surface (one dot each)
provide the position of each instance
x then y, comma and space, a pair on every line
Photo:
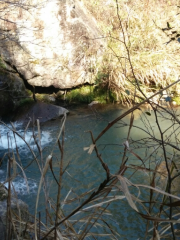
84, 171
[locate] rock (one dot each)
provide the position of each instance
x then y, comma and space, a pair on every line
60, 93
93, 103
18, 207
2, 230
54, 43
19, 210
3, 192
42, 111
51, 99
11, 90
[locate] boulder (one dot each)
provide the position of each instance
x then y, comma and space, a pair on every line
53, 43
3, 192
12, 89
42, 111
19, 210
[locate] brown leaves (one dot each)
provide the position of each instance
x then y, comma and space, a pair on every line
156, 219
124, 185
126, 144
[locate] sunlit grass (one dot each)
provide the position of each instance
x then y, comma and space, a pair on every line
155, 63
83, 95
87, 94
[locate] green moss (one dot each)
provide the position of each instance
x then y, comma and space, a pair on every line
2, 64
88, 94
25, 101
43, 97
28, 92
176, 99
82, 95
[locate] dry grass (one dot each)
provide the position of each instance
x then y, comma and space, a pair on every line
155, 63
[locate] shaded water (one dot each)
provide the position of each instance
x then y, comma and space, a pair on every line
85, 171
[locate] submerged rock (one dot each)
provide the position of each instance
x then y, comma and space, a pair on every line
93, 103
42, 111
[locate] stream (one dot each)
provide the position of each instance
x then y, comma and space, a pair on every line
84, 170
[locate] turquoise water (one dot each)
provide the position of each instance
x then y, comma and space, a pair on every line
84, 171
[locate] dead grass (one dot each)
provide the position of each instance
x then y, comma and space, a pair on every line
155, 63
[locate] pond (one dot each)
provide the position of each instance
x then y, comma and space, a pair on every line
84, 171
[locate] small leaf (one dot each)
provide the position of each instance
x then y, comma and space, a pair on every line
128, 92
86, 148
126, 143
148, 113
126, 192
156, 219
90, 149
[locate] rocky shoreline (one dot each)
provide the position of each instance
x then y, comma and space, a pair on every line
10, 217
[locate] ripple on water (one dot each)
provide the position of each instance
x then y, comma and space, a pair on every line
21, 187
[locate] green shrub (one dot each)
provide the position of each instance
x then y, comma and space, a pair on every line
100, 77
88, 94
176, 99
25, 101
81, 95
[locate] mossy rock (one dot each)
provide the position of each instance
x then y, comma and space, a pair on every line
12, 89
3, 192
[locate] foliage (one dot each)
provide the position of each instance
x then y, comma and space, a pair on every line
139, 37
43, 97
87, 94
101, 76
25, 101
176, 99
83, 95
